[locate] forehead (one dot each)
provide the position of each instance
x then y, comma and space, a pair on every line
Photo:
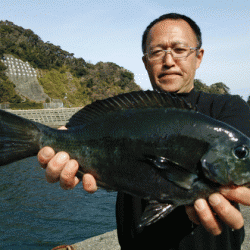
171, 31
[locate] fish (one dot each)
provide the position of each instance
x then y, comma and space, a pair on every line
149, 144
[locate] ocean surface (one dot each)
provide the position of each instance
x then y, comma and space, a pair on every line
35, 214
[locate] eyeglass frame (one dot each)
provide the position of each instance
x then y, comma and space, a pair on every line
192, 49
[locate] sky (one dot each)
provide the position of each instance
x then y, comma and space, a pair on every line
111, 31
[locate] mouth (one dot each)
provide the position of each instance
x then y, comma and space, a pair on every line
214, 174
206, 168
170, 74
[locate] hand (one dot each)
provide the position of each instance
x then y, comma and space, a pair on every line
59, 167
219, 206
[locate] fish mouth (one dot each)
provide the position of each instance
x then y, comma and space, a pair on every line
212, 172
207, 170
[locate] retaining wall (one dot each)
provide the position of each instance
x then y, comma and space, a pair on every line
49, 117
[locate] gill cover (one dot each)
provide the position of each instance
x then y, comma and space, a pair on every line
227, 166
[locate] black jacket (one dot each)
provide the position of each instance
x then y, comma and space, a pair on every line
176, 231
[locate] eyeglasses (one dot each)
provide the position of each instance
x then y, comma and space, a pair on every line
178, 52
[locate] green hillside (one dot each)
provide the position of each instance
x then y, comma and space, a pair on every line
64, 77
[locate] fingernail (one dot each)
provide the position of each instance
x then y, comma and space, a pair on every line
200, 205
214, 200
225, 190
47, 153
62, 157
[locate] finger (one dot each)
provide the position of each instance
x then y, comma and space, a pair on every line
55, 166
226, 211
62, 128
192, 215
207, 217
68, 179
89, 183
45, 155
238, 194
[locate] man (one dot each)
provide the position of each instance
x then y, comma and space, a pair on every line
172, 53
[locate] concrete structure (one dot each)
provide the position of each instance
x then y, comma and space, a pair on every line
24, 76
49, 117
107, 241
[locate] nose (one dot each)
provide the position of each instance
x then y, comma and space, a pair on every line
168, 59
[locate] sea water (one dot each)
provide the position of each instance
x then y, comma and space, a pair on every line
35, 214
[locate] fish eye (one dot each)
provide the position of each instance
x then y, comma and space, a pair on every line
241, 152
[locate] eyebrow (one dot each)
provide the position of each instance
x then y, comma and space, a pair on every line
172, 44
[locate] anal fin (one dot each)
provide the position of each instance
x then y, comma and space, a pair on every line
154, 212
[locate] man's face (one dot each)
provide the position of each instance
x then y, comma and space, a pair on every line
171, 74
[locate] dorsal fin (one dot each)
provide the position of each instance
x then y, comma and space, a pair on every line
133, 100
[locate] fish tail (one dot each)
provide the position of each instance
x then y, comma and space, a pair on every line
19, 138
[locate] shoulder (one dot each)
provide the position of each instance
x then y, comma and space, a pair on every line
220, 99
231, 109
216, 104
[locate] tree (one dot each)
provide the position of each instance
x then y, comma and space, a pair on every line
216, 88
219, 88
200, 86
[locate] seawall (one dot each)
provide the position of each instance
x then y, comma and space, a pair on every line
49, 117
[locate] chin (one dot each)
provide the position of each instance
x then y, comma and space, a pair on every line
171, 89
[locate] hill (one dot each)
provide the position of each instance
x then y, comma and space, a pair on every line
62, 76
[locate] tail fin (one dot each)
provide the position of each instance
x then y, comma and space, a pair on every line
19, 138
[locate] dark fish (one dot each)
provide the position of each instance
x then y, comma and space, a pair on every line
148, 144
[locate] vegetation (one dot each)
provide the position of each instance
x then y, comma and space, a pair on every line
216, 88
99, 82
7, 88
62, 76
27, 104
27, 46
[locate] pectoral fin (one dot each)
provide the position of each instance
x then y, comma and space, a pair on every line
174, 172
154, 212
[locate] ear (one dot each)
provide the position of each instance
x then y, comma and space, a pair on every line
145, 61
199, 58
